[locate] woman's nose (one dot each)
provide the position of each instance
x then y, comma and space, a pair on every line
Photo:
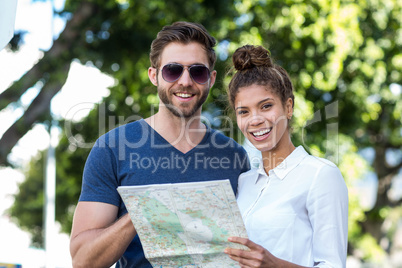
256, 120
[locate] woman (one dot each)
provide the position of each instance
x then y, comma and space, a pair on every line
294, 206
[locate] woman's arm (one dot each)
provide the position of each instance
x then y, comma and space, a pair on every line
327, 206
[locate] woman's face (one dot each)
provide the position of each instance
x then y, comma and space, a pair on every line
262, 117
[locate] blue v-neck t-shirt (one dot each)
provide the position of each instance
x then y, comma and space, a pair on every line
135, 154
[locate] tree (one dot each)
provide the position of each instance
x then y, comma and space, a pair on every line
343, 57
108, 35
52, 71
115, 36
346, 52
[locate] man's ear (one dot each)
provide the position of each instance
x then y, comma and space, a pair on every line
212, 79
153, 76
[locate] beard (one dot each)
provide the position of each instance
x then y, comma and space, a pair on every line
185, 110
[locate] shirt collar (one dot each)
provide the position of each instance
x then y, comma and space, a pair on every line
287, 165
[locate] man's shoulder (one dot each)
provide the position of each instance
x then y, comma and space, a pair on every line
220, 136
135, 127
127, 133
219, 139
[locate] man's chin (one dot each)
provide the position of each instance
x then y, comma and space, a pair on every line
183, 110
185, 114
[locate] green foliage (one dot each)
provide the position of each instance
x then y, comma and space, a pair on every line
27, 210
370, 250
342, 56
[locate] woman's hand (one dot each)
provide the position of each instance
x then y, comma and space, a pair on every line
258, 256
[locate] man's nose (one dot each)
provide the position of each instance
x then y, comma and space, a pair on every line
185, 79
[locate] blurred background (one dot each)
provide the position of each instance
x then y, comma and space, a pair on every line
76, 69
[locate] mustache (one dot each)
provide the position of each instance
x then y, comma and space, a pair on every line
189, 90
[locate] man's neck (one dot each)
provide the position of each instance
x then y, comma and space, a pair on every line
182, 133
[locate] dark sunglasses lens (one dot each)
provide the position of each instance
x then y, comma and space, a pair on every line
172, 72
199, 73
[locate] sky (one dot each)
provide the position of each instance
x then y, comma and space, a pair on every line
36, 18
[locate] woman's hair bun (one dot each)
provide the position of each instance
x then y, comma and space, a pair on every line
249, 56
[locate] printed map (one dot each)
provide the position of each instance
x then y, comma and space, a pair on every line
185, 224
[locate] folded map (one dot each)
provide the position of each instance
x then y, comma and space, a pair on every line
185, 224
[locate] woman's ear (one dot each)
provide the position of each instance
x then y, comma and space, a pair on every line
289, 108
153, 75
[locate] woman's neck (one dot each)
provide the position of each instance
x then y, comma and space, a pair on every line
277, 155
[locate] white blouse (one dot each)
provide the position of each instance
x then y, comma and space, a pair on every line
299, 212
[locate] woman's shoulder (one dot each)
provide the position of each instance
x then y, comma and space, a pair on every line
318, 162
249, 173
324, 173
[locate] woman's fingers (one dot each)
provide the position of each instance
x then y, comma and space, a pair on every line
255, 257
246, 242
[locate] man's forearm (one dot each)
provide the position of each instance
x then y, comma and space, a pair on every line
102, 247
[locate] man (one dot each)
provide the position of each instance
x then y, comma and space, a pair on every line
169, 147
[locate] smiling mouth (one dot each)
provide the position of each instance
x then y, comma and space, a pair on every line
261, 132
184, 95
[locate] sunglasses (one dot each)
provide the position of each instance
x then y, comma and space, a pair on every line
173, 71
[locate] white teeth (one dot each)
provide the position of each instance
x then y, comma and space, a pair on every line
262, 132
183, 95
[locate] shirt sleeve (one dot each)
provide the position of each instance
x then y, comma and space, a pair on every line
327, 206
99, 180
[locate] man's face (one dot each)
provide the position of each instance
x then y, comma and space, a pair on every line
183, 97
